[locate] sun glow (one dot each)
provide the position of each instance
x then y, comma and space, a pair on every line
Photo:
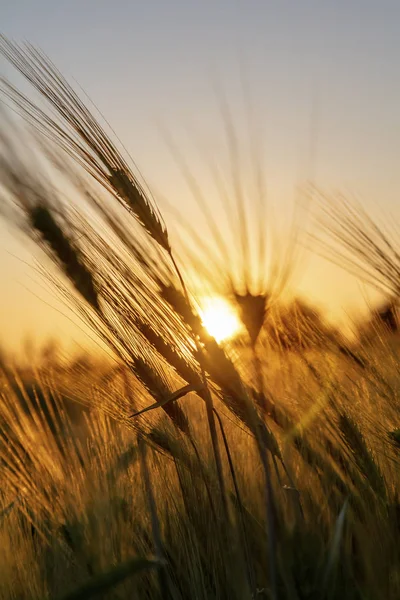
219, 318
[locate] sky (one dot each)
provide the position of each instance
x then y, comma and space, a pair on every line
321, 78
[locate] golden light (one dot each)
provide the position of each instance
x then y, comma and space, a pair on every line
219, 318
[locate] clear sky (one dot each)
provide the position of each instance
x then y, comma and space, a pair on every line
323, 77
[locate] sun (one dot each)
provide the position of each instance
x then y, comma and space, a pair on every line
219, 318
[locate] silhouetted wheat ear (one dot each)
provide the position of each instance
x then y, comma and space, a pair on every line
65, 252
170, 354
253, 309
79, 133
134, 197
159, 390
179, 303
359, 244
362, 455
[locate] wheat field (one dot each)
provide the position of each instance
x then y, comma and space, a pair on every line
265, 466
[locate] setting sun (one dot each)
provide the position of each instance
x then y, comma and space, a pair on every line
219, 318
